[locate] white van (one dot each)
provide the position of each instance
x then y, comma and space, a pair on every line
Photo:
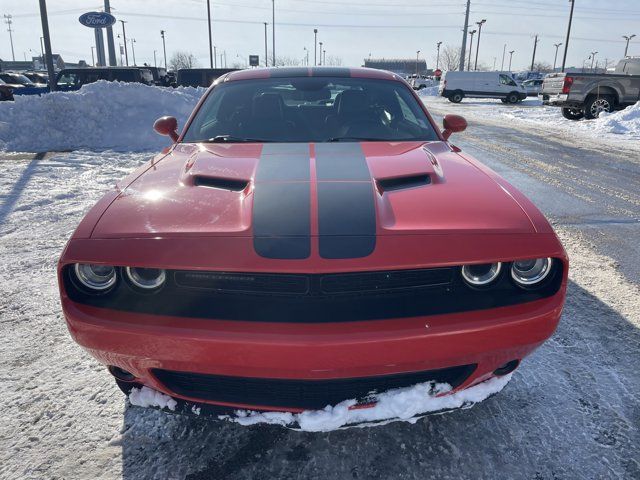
457, 85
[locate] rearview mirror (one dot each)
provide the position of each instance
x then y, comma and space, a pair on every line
167, 126
452, 124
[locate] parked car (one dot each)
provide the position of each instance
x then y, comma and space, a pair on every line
457, 85
533, 87
589, 94
74, 78
37, 77
6, 92
200, 77
21, 85
418, 82
160, 76
289, 254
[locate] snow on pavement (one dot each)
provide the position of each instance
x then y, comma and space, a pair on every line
100, 116
577, 397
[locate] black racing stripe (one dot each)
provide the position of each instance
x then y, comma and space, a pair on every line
284, 162
341, 161
346, 219
282, 202
289, 72
330, 72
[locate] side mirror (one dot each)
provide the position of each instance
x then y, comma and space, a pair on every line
452, 124
167, 126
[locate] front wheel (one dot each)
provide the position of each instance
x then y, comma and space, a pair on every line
571, 113
513, 98
456, 97
596, 105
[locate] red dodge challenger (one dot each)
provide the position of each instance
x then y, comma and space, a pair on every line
310, 237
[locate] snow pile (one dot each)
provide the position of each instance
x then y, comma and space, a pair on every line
148, 397
429, 91
623, 122
402, 404
100, 116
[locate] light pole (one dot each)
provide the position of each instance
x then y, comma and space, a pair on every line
315, 47
472, 32
124, 37
164, 49
628, 39
93, 59
593, 57
210, 37
273, 30
306, 56
510, 58
8, 21
324, 57
155, 62
133, 50
417, 57
121, 48
535, 46
215, 57
266, 54
480, 24
320, 62
555, 58
438, 55
566, 43
504, 51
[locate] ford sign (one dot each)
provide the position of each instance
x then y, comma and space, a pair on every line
97, 19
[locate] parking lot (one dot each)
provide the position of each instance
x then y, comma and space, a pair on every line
572, 411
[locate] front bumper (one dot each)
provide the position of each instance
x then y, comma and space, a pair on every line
142, 343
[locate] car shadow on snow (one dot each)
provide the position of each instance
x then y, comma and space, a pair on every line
571, 411
11, 198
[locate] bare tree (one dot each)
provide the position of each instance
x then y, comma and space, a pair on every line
182, 60
542, 67
449, 58
333, 61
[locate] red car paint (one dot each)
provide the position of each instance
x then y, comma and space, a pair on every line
158, 218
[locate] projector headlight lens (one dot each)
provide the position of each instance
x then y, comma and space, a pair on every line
481, 275
98, 278
531, 272
146, 278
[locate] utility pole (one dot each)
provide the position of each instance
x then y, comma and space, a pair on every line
417, 59
566, 43
315, 47
47, 45
320, 62
628, 39
324, 57
215, 57
273, 30
438, 55
210, 37
510, 58
535, 47
111, 47
463, 50
504, 51
133, 50
266, 54
8, 21
93, 58
164, 49
155, 62
555, 58
593, 57
124, 37
472, 32
480, 23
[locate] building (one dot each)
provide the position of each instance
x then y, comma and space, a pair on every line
36, 63
401, 66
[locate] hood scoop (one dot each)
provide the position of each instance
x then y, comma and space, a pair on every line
404, 182
232, 184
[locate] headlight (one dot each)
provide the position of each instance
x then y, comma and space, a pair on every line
95, 277
481, 275
146, 278
527, 273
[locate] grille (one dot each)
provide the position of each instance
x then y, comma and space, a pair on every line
383, 281
305, 394
241, 282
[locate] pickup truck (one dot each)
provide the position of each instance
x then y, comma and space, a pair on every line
588, 94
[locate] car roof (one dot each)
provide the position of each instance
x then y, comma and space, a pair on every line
287, 72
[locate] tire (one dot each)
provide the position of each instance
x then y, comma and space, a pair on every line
456, 97
512, 98
572, 113
503, 100
595, 105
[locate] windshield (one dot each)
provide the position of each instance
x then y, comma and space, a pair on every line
15, 78
310, 109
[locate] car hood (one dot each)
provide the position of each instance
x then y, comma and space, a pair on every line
282, 191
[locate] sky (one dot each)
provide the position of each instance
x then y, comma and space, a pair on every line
349, 30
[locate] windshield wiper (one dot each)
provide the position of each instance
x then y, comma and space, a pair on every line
232, 139
356, 139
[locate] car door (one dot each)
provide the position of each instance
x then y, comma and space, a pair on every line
485, 84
